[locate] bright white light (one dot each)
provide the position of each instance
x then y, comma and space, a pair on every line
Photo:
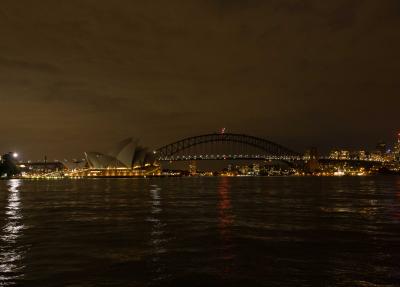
15, 155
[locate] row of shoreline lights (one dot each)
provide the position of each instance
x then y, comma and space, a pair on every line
231, 156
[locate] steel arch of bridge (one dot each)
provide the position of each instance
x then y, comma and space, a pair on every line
272, 150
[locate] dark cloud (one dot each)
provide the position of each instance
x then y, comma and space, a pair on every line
78, 75
21, 65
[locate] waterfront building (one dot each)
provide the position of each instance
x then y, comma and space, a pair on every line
396, 149
377, 156
344, 155
33, 169
126, 154
126, 159
193, 167
359, 155
381, 148
334, 154
339, 154
362, 155
244, 170
256, 169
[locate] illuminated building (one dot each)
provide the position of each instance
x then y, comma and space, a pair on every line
192, 167
244, 170
312, 164
256, 169
344, 155
340, 154
42, 167
126, 159
376, 156
362, 155
126, 154
334, 154
381, 148
396, 149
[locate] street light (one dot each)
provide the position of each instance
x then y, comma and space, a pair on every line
15, 155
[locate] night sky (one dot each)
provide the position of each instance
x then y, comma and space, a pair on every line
79, 75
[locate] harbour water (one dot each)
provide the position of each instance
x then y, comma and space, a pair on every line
255, 231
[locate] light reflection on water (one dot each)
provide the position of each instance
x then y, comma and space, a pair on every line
11, 253
226, 221
157, 242
396, 210
201, 232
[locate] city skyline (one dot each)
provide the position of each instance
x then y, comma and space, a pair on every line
81, 75
199, 143
382, 151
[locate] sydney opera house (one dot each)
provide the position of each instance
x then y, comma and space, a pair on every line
126, 159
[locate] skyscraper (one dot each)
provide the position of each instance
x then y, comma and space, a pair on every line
381, 148
396, 149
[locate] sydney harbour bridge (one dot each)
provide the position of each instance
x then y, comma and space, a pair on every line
229, 146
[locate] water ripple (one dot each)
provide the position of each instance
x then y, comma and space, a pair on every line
11, 254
